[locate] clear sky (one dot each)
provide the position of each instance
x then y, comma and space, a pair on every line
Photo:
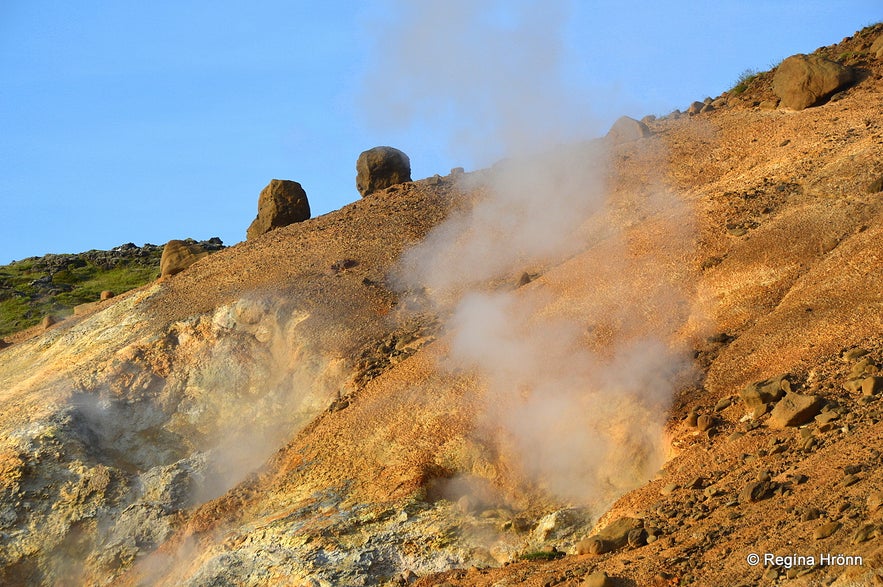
124, 121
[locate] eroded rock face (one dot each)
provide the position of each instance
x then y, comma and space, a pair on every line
281, 203
380, 168
109, 469
802, 81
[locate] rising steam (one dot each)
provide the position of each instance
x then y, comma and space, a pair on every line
580, 365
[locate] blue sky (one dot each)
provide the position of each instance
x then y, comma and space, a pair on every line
126, 121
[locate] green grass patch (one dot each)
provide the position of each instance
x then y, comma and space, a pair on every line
542, 555
33, 288
743, 82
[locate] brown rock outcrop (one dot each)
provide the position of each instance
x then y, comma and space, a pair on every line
802, 81
281, 203
178, 255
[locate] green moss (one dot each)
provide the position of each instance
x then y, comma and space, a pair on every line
542, 555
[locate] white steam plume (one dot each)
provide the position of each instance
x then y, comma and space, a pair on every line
488, 73
579, 375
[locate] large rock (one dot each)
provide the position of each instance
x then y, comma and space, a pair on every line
764, 392
802, 81
178, 255
281, 203
795, 409
613, 537
381, 167
627, 129
877, 47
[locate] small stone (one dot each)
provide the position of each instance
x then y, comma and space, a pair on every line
849, 480
617, 531
106, 295
637, 538
853, 354
723, 404
612, 537
408, 576
692, 418
826, 530
810, 514
852, 469
853, 385
668, 489
695, 483
662, 580
875, 500
704, 423
48, 321
794, 409
864, 533
755, 491
763, 392
695, 107
858, 370
599, 579
872, 385
592, 545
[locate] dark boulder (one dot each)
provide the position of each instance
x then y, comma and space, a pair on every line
380, 168
281, 203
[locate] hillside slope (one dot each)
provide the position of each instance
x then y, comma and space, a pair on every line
419, 389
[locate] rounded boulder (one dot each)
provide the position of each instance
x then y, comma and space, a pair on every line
802, 81
380, 168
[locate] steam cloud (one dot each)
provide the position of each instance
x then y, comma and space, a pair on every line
578, 376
